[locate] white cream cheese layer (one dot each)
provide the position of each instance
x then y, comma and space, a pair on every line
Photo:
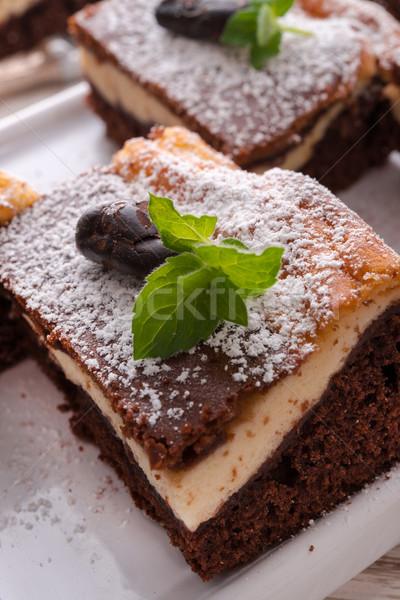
196, 494
14, 8
121, 91
295, 159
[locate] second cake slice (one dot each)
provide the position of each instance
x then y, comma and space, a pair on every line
328, 105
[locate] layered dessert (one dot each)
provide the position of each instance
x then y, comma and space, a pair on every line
15, 196
25, 23
327, 105
234, 445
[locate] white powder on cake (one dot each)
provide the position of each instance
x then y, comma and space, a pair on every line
90, 309
215, 87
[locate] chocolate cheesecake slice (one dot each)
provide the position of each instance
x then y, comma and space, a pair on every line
25, 23
236, 444
328, 105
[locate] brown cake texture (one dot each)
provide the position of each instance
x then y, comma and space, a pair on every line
12, 336
235, 445
44, 18
15, 196
327, 105
352, 437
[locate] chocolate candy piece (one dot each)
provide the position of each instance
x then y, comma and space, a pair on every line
121, 236
197, 19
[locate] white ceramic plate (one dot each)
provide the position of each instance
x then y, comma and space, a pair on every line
68, 528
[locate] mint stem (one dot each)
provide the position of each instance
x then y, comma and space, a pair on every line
295, 30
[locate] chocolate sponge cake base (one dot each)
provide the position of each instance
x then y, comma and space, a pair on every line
361, 137
352, 437
12, 344
48, 17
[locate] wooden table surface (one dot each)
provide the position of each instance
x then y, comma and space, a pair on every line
381, 581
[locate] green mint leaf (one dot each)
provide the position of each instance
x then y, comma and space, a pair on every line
241, 28
179, 232
233, 242
257, 26
280, 7
267, 25
162, 325
186, 298
214, 295
228, 301
250, 272
182, 303
260, 54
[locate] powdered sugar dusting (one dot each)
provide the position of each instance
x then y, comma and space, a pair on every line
89, 310
214, 87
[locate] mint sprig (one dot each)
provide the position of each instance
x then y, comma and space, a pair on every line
186, 298
179, 232
257, 26
251, 273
